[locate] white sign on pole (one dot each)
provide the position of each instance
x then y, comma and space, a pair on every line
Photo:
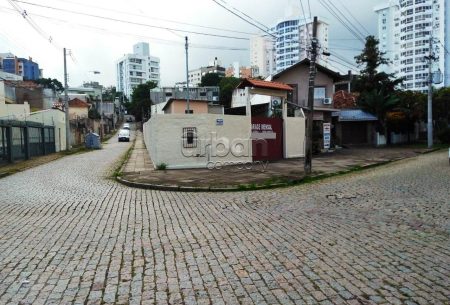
326, 135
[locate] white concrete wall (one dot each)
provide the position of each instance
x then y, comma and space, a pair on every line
230, 142
13, 111
294, 137
52, 117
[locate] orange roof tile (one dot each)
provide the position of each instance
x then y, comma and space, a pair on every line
76, 102
257, 83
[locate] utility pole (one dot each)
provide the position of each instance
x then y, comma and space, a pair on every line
187, 77
101, 114
310, 117
430, 58
66, 104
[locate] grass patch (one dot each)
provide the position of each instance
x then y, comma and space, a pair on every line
161, 166
117, 172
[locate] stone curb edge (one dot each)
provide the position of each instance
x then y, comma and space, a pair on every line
177, 188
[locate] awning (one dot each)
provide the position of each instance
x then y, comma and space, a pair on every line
355, 115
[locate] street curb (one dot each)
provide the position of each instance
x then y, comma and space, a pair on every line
250, 187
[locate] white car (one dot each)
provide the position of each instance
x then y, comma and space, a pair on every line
126, 126
124, 135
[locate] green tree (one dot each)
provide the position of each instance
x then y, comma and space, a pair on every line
377, 89
227, 86
49, 83
211, 79
140, 105
441, 107
411, 104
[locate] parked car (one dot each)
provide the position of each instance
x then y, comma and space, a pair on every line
126, 126
129, 119
124, 135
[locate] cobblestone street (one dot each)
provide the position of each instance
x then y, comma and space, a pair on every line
71, 235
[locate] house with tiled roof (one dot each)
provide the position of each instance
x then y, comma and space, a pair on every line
78, 109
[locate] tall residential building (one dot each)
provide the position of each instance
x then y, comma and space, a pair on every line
289, 45
262, 54
405, 29
214, 66
238, 71
137, 68
27, 68
389, 34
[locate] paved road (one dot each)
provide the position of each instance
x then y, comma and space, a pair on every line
70, 235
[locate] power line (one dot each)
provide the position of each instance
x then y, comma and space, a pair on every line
342, 64
332, 12
354, 18
31, 22
304, 18
337, 11
254, 20
163, 41
157, 18
445, 49
131, 22
309, 8
240, 17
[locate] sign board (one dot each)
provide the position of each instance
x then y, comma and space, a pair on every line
263, 131
326, 135
219, 122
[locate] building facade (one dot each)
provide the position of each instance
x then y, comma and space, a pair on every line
214, 66
416, 29
262, 55
289, 44
137, 68
235, 70
26, 68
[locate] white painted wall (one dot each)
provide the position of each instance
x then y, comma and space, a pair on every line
52, 117
12, 111
230, 142
294, 137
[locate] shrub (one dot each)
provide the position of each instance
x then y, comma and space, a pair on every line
161, 166
444, 136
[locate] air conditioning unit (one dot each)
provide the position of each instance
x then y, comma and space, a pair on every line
327, 101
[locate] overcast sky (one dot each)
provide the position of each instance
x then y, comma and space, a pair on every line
97, 43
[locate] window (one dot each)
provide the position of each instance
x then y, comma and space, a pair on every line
189, 137
319, 93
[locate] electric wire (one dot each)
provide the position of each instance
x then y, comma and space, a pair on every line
125, 34
244, 19
156, 18
332, 12
254, 20
130, 22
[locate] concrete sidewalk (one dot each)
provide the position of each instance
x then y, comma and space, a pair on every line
139, 171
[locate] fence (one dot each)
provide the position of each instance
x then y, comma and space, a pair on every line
21, 140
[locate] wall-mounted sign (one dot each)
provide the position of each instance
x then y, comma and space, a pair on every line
219, 122
263, 131
326, 135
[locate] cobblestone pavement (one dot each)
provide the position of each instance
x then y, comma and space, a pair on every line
70, 235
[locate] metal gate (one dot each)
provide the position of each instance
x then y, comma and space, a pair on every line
267, 139
21, 140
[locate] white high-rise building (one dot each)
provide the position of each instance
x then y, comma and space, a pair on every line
389, 34
293, 39
262, 54
137, 68
289, 46
405, 28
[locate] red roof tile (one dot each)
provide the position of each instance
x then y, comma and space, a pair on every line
76, 102
257, 83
